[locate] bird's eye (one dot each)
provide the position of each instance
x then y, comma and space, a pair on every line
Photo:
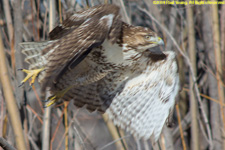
147, 37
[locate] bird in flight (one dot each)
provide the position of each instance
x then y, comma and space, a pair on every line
104, 64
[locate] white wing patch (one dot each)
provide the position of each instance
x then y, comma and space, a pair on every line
146, 100
109, 19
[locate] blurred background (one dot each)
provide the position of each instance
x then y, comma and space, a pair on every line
195, 32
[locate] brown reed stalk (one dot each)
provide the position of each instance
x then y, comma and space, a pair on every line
193, 103
218, 61
180, 127
113, 131
10, 101
66, 124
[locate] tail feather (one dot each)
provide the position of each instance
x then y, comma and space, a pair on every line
32, 50
32, 58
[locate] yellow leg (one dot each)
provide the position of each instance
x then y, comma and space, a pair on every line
31, 74
54, 98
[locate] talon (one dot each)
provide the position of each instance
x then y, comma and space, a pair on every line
30, 74
51, 100
58, 95
21, 84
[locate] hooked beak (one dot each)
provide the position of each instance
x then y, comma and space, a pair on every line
157, 40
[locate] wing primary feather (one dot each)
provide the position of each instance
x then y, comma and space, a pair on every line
76, 45
75, 61
77, 19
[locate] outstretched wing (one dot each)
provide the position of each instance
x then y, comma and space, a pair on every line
145, 100
136, 99
78, 18
72, 48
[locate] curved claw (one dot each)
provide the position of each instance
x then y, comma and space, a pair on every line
30, 74
54, 98
49, 103
51, 100
21, 84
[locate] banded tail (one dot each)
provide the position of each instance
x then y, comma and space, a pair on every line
32, 50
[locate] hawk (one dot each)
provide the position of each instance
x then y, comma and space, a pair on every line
107, 65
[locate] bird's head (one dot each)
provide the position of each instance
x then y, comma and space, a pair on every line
141, 38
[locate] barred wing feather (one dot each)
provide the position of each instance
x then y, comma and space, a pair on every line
146, 100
